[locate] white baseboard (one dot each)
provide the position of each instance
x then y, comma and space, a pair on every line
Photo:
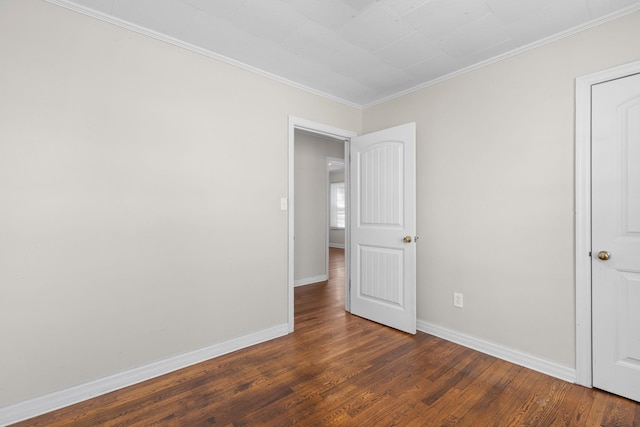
336, 245
505, 353
310, 280
50, 402
41, 405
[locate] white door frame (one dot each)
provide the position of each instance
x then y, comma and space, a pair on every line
583, 214
320, 129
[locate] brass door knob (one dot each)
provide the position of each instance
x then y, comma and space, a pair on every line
407, 239
604, 255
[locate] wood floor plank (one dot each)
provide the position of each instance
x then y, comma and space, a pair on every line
497, 396
341, 370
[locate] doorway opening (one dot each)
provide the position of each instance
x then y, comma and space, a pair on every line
298, 127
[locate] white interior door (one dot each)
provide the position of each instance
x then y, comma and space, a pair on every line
616, 236
383, 214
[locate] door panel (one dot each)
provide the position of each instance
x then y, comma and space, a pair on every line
381, 195
381, 275
616, 236
382, 214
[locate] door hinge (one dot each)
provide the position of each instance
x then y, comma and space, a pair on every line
590, 254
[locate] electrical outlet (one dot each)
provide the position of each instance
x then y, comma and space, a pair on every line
283, 204
457, 299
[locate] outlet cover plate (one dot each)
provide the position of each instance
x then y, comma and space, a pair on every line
458, 300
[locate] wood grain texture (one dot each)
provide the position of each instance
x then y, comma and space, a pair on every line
339, 369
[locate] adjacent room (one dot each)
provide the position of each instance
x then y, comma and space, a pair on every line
167, 223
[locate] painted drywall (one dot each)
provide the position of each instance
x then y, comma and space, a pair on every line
311, 198
336, 235
495, 190
140, 188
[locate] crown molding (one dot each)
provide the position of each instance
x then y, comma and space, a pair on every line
512, 53
67, 4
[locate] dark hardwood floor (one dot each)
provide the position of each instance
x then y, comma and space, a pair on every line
338, 369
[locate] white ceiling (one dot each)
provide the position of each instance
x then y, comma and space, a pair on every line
359, 51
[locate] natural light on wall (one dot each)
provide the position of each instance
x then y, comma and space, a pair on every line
337, 212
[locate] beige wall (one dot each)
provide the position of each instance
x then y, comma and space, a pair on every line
495, 156
311, 208
129, 229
